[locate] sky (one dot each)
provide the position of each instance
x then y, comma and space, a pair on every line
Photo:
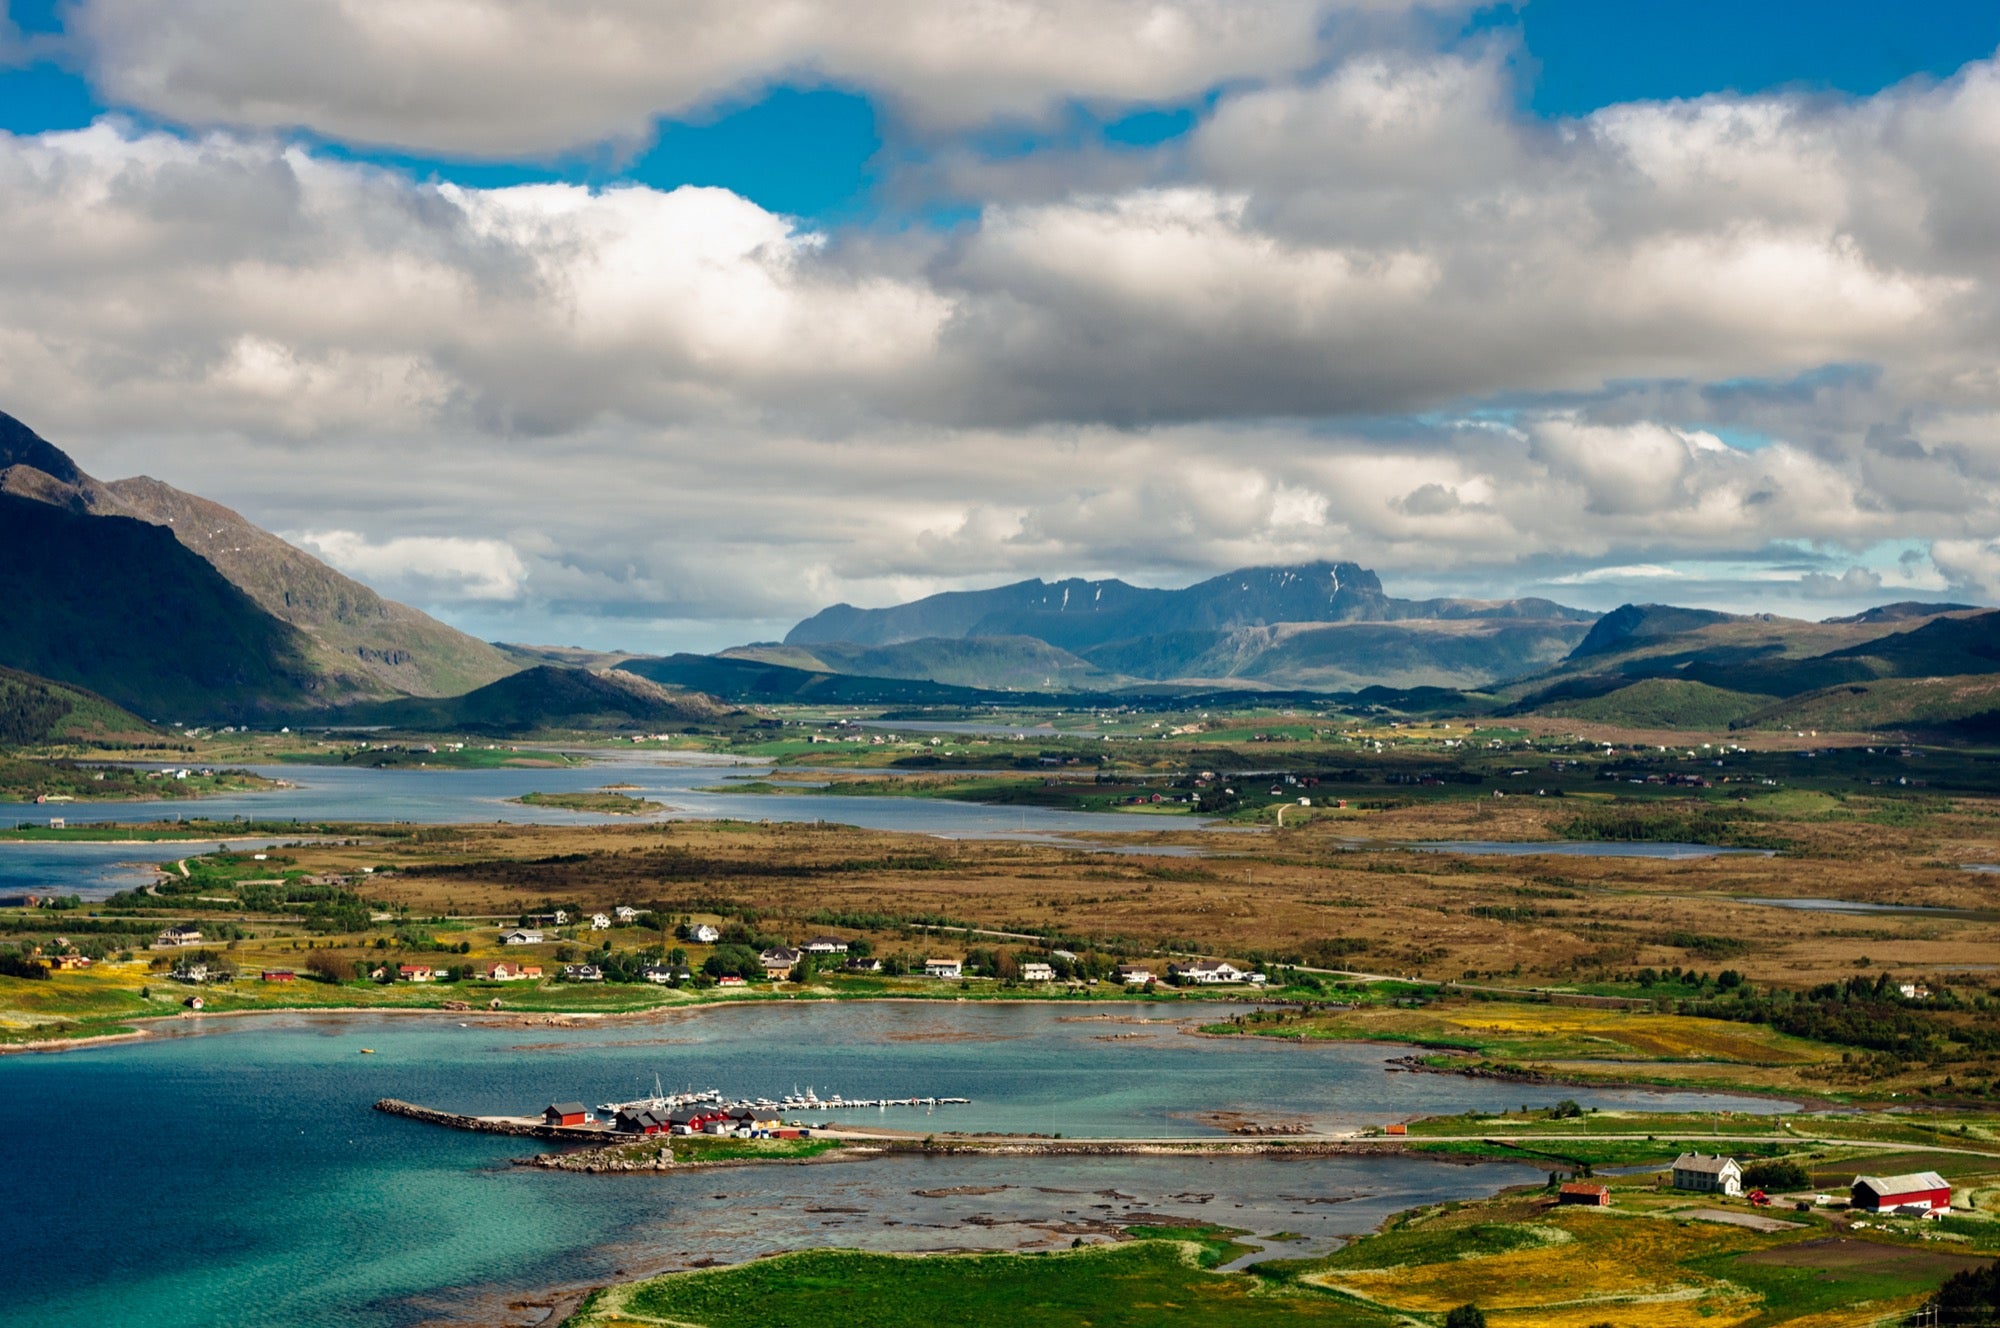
660, 326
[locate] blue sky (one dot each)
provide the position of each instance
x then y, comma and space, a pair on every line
1476, 296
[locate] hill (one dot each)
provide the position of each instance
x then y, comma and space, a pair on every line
324, 639
37, 710
757, 681
550, 697
1259, 627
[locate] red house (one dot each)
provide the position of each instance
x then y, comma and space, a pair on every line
277, 975
564, 1113
1924, 1190
1582, 1192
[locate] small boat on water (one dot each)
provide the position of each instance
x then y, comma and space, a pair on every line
368, 1051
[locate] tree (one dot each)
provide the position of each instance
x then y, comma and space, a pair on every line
1465, 1316
1971, 1296
733, 961
1780, 1175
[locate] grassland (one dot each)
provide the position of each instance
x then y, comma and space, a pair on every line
1651, 1259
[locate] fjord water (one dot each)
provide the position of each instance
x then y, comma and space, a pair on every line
238, 1175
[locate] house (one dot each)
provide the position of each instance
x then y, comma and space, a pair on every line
1583, 1192
1132, 975
1396, 1128
869, 965
559, 918
504, 972
1922, 1192
625, 913
531, 972
1036, 971
1069, 955
638, 1120
664, 974
944, 968
520, 936
1709, 1175
414, 972
582, 973
564, 1113
825, 945
600, 922
193, 1002
190, 973
1913, 991
780, 962
703, 934
730, 980
1205, 973
275, 975
71, 959
175, 937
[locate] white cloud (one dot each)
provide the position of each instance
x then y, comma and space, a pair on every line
506, 77
423, 567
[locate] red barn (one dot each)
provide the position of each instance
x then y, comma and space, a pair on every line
1880, 1194
1581, 1192
564, 1113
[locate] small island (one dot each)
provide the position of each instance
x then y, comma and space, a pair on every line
604, 801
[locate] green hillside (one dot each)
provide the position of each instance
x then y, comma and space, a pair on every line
36, 710
549, 697
1660, 703
1963, 707
1009, 663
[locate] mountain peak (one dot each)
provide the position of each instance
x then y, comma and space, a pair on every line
22, 446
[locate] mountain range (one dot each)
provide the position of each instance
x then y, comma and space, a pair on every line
1321, 626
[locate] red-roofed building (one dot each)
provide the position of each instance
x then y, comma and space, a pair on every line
1583, 1192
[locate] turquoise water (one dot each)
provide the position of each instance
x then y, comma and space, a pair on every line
237, 1174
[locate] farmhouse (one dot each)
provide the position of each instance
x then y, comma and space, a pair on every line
944, 968
1583, 1192
564, 1113
600, 922
520, 936
1922, 1191
625, 913
1709, 1175
1205, 973
703, 934
179, 936
1036, 971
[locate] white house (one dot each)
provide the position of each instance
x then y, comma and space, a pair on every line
1036, 971
1709, 1174
600, 922
520, 936
625, 913
176, 937
1205, 972
944, 968
1132, 975
704, 934
826, 945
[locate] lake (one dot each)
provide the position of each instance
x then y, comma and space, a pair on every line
238, 1174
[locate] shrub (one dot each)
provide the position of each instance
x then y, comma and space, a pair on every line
1780, 1175
1465, 1316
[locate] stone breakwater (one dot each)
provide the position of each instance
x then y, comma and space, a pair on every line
598, 1161
518, 1126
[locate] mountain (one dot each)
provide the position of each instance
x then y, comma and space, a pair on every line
549, 696
37, 710
1314, 626
1011, 663
1653, 665
121, 607
331, 638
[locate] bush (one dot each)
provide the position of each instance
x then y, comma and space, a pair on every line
1465, 1316
1968, 1297
1780, 1175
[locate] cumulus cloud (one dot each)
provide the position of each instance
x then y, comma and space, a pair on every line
506, 77
423, 567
